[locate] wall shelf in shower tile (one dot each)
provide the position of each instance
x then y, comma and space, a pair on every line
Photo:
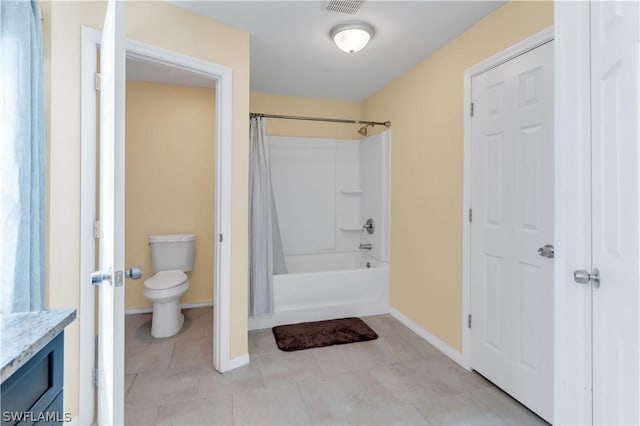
354, 228
352, 191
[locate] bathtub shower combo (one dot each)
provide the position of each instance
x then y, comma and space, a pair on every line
332, 201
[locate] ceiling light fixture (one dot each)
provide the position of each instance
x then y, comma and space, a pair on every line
351, 37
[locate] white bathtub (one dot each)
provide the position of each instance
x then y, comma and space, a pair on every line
326, 286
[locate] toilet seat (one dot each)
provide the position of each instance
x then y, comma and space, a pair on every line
165, 280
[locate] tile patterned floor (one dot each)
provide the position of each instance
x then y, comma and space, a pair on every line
398, 379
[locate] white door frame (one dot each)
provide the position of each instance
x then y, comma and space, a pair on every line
222, 279
522, 47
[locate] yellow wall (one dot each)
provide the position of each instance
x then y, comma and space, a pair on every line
169, 27
308, 107
426, 111
170, 179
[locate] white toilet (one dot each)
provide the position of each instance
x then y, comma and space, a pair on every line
171, 256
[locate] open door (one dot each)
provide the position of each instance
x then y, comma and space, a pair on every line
110, 277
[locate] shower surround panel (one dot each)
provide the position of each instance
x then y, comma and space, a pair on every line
324, 191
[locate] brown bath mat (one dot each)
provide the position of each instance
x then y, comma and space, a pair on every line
306, 335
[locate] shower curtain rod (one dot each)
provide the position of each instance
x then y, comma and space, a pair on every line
330, 120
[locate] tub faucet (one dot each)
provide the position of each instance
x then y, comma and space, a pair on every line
367, 246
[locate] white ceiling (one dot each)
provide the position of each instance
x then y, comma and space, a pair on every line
292, 54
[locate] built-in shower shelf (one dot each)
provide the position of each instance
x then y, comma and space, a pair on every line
351, 228
352, 191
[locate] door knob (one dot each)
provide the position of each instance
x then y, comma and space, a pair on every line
98, 276
547, 251
134, 273
584, 277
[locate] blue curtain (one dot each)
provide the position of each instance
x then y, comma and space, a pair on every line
22, 158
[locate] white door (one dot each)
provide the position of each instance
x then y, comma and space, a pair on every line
615, 118
511, 283
111, 243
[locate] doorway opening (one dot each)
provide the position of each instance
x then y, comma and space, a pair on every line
170, 191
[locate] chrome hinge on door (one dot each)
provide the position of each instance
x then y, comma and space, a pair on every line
469, 321
97, 230
470, 215
471, 109
95, 377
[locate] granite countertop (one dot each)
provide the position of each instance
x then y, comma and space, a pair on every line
23, 334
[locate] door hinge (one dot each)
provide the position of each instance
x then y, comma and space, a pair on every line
470, 215
471, 109
97, 229
469, 321
97, 82
220, 237
95, 377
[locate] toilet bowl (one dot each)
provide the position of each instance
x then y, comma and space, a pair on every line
165, 289
171, 256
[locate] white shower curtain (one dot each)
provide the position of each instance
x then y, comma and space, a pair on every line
266, 255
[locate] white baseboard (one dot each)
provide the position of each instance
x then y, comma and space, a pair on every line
238, 362
420, 331
149, 309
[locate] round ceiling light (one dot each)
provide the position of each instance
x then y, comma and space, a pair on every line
351, 37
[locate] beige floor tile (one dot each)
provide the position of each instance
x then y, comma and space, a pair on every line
462, 409
274, 405
507, 408
457, 377
140, 415
386, 325
244, 378
216, 410
205, 313
416, 380
393, 349
262, 341
397, 379
154, 388
191, 329
401, 415
331, 399
190, 353
128, 380
148, 357
137, 330
286, 366
208, 330
351, 357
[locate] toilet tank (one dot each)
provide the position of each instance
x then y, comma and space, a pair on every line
172, 251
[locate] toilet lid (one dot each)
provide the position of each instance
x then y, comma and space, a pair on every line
166, 279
